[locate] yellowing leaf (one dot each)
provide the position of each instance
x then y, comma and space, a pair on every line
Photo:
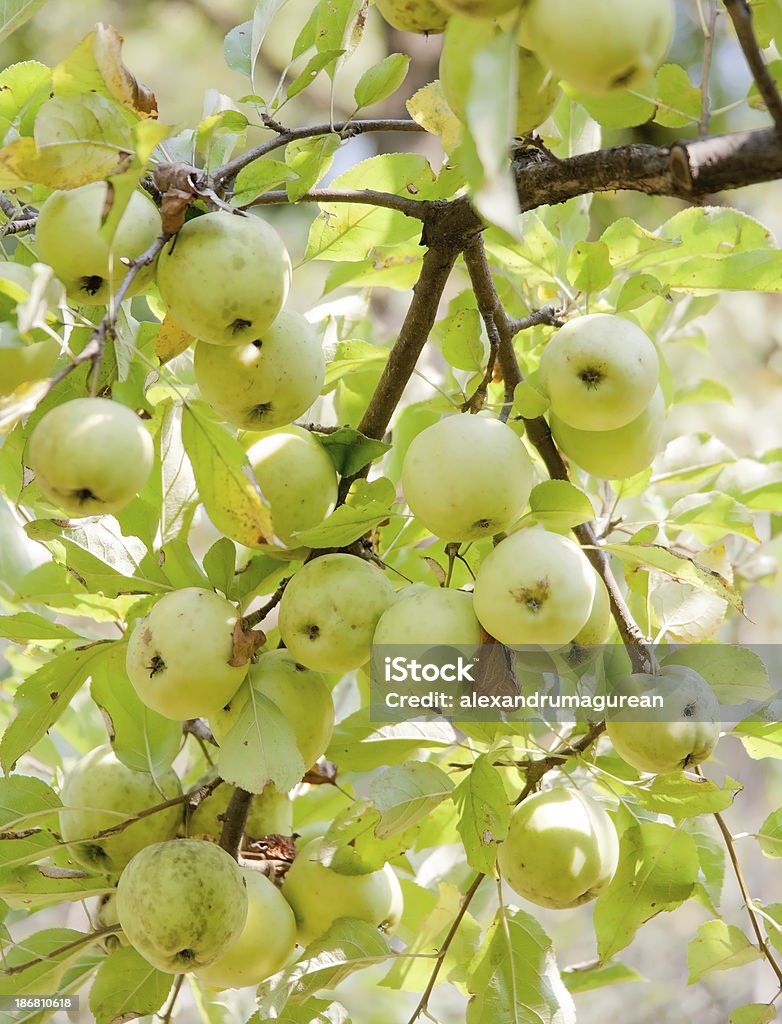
171, 341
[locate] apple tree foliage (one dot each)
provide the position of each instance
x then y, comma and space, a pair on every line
493, 246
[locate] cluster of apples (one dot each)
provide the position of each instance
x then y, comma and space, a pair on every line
596, 46
601, 374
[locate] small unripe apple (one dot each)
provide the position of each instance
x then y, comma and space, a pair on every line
319, 895
467, 477
300, 694
600, 47
537, 90
265, 382
100, 791
534, 588
430, 616
599, 372
421, 16
182, 904
330, 609
20, 363
614, 454
266, 943
179, 653
107, 917
271, 813
90, 456
681, 734
297, 478
68, 238
483, 9
225, 277
562, 849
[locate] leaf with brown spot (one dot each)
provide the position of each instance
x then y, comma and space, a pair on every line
322, 774
123, 86
245, 643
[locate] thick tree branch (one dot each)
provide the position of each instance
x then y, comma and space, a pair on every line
345, 129
410, 207
540, 437
741, 16
234, 821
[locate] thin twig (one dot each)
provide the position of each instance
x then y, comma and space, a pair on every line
16, 227
83, 940
368, 197
741, 16
200, 729
446, 945
547, 315
709, 30
194, 797
536, 769
345, 129
169, 1011
255, 618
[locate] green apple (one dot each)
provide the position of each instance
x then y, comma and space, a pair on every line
537, 92
600, 47
297, 478
561, 851
467, 477
614, 454
319, 895
68, 238
597, 627
267, 382
22, 361
300, 693
266, 942
430, 616
107, 918
100, 791
179, 654
271, 813
330, 609
599, 372
482, 9
534, 588
421, 16
182, 904
225, 278
681, 734
90, 456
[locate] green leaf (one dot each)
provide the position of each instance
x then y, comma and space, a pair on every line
350, 450
718, 947
711, 516
237, 47
704, 391
348, 946
678, 100
141, 738
621, 109
35, 886
261, 748
14, 13
678, 567
560, 505
681, 796
354, 357
587, 979
313, 1011
381, 80
406, 793
263, 15
220, 564
658, 869
710, 846
259, 177
42, 977
528, 401
315, 65
589, 267
515, 977
484, 813
43, 697
126, 986
343, 526
23, 88
180, 495
353, 845
638, 290
460, 341
770, 835
753, 1013
309, 160
26, 804
735, 674
340, 25
219, 461
25, 626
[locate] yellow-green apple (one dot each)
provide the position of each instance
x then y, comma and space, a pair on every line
562, 849
300, 693
267, 381
534, 588
271, 813
265, 944
479, 9
467, 477
319, 895
90, 456
182, 904
599, 371
68, 238
421, 16
429, 616
681, 734
330, 609
600, 47
614, 454
99, 792
225, 277
297, 478
179, 654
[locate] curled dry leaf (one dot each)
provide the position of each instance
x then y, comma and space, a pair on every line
246, 643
